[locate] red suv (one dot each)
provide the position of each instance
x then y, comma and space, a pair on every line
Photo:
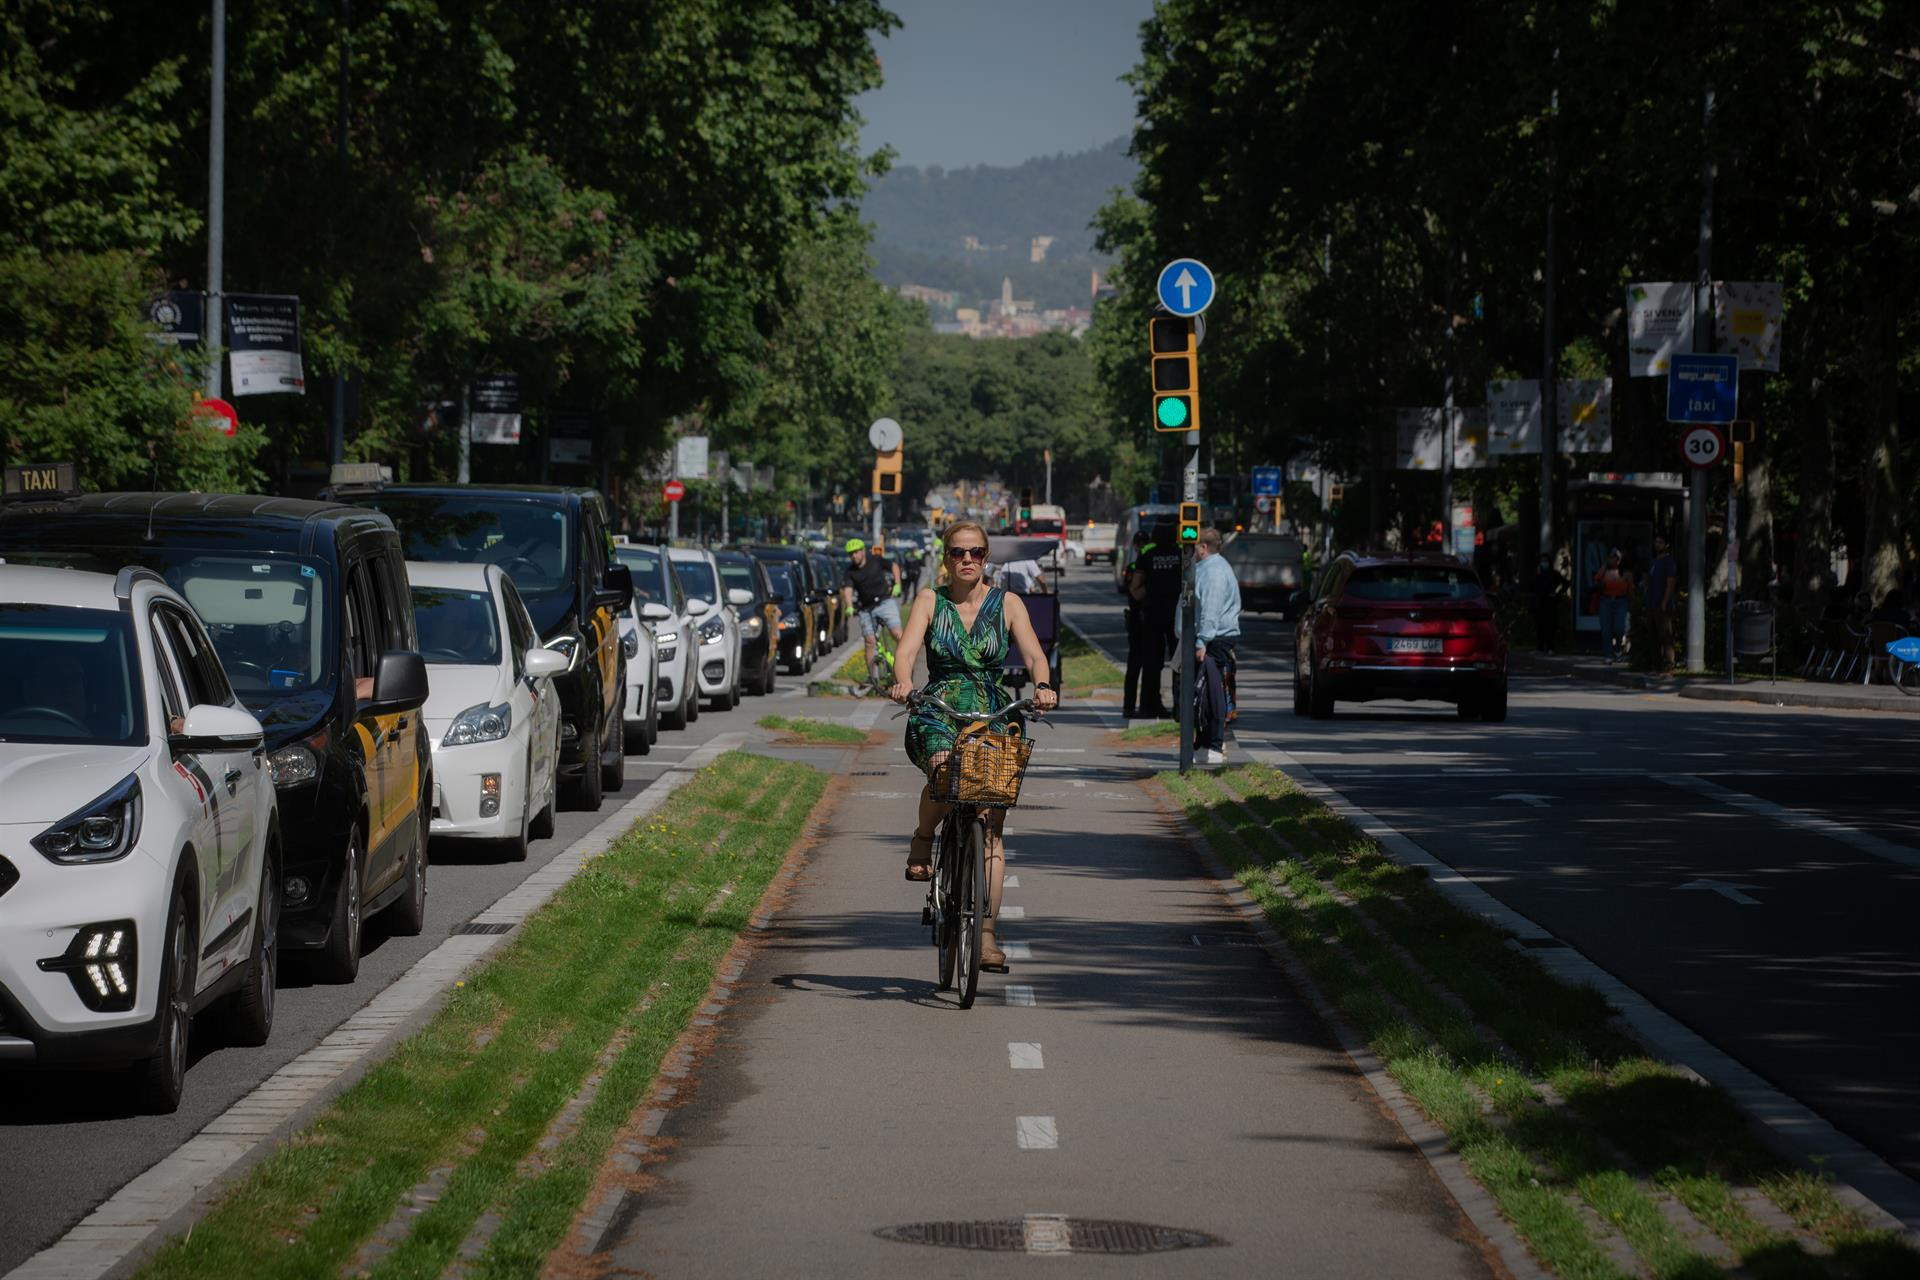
1399, 626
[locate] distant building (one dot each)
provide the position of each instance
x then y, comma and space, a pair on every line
1006, 294
1037, 250
939, 299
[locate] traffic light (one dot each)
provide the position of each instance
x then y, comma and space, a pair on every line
1740, 434
1336, 494
886, 471
1189, 523
1176, 374
886, 483
1026, 503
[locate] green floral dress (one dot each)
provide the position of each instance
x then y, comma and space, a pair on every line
963, 670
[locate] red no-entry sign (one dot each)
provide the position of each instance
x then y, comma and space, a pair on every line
218, 414
673, 491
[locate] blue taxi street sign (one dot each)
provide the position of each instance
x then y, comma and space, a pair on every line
1186, 287
1703, 388
1266, 482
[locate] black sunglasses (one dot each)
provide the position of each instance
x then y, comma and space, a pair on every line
966, 553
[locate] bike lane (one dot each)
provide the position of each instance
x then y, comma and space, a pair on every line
1141, 1064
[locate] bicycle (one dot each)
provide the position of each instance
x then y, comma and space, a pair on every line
880, 672
1903, 664
982, 772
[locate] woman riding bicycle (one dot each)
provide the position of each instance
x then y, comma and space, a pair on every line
966, 628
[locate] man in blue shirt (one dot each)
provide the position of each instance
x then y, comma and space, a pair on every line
1216, 596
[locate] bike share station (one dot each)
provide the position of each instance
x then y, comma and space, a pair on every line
1186, 290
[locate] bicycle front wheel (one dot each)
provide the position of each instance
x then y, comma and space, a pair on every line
1905, 675
971, 901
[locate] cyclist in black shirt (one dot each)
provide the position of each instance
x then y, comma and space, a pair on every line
869, 591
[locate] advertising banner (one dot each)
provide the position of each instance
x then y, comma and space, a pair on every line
1659, 323
1515, 411
1586, 415
178, 318
1746, 322
263, 344
1469, 438
690, 458
493, 403
1420, 439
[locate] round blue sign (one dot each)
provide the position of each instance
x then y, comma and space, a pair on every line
1186, 287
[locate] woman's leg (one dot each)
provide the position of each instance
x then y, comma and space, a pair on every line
992, 956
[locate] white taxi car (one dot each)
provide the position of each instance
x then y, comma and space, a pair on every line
718, 671
492, 713
139, 837
661, 603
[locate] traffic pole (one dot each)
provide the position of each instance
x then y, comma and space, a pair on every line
1702, 341
1190, 488
465, 473
217, 198
1733, 565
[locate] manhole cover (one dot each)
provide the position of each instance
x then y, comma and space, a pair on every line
1050, 1233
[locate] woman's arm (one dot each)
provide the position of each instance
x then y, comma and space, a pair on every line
1020, 627
912, 638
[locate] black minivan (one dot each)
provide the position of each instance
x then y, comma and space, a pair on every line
555, 545
308, 607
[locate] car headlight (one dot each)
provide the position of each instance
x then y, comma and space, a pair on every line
712, 631
569, 647
479, 724
293, 764
752, 626
630, 644
101, 832
667, 646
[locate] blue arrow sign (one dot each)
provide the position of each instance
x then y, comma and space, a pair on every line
1186, 287
1266, 482
1702, 388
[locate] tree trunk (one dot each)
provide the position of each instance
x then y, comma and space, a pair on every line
1883, 553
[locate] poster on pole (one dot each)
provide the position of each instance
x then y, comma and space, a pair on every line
494, 405
1659, 323
1515, 410
263, 344
690, 458
1421, 439
178, 319
1470, 451
1746, 322
1586, 415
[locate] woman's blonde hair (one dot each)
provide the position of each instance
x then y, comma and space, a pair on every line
946, 540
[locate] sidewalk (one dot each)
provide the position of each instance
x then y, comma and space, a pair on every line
1143, 1065
1784, 692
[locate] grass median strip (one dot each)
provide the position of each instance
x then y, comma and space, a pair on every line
810, 730
1151, 731
1606, 1161
596, 987
1082, 668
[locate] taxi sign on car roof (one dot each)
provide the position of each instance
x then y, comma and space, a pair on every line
35, 480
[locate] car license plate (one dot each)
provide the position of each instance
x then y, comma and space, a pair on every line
1414, 646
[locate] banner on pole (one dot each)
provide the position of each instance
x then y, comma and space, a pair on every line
494, 403
263, 344
1659, 323
1421, 439
690, 458
1586, 415
1470, 439
1746, 322
179, 318
1515, 410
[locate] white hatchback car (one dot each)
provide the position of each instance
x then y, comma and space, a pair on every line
662, 603
139, 836
492, 713
718, 672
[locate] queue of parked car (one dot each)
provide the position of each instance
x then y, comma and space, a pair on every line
230, 726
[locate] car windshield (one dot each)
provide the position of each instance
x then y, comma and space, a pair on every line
456, 627
1044, 524
69, 675
1262, 551
649, 575
528, 539
266, 614
697, 577
738, 575
1413, 582
781, 576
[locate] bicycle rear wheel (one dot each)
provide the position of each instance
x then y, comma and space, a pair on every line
1905, 675
971, 901
945, 917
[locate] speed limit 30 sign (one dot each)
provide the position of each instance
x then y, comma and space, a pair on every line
1702, 445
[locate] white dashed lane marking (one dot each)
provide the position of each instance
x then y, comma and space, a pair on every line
1036, 1133
1017, 950
1018, 995
1024, 1057
1012, 882
1013, 913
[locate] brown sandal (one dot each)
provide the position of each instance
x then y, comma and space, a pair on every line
992, 958
920, 858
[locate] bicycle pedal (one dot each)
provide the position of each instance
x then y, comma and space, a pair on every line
926, 915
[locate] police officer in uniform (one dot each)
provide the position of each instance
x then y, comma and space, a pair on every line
1158, 575
1136, 615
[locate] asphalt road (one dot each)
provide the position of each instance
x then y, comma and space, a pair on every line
1679, 844
71, 1140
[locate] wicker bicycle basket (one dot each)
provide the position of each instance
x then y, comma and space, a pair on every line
985, 769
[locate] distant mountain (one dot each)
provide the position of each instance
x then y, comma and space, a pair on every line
963, 230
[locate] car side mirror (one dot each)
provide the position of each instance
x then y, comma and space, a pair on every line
739, 597
215, 728
541, 662
654, 611
399, 684
698, 608
616, 589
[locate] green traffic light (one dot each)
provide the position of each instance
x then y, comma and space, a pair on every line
1172, 411
1189, 534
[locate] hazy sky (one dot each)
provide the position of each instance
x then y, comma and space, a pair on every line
1001, 81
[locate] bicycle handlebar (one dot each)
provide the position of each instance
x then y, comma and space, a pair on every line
921, 698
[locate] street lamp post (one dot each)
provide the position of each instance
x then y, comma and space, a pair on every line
216, 195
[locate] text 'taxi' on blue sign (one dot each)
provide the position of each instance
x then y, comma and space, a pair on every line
1186, 287
1703, 388
1266, 482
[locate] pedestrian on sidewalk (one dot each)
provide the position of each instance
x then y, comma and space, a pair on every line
1662, 576
1614, 585
1549, 585
966, 628
1216, 594
1134, 584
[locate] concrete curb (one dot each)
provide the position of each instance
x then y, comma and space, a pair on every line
1475, 1203
1770, 694
1788, 696
174, 1193
1887, 1198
